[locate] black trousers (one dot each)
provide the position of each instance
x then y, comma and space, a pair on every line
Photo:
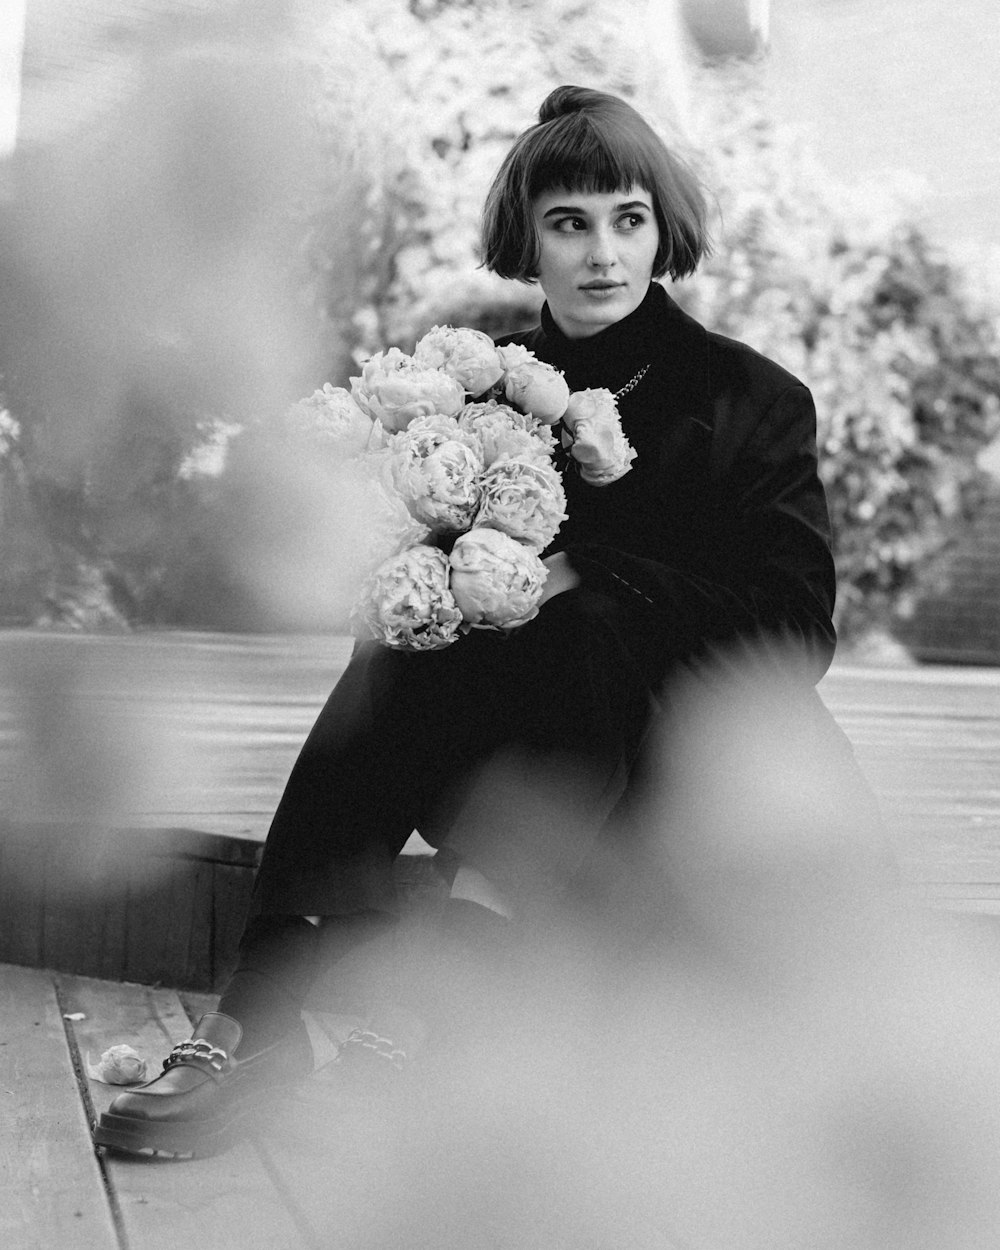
509, 751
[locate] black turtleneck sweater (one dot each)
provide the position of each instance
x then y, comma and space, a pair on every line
720, 531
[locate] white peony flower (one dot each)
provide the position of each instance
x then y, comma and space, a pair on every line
524, 499
394, 389
504, 432
332, 419
497, 581
532, 385
468, 356
598, 443
436, 467
406, 602
389, 526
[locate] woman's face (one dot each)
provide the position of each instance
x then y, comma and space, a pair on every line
596, 255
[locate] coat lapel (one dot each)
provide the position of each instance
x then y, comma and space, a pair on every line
685, 372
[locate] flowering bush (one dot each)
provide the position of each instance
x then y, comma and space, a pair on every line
844, 290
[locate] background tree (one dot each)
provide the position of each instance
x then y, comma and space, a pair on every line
842, 287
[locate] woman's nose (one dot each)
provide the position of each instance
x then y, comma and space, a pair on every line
602, 252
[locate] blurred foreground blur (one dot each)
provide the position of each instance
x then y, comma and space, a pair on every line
732, 1033
157, 297
737, 1033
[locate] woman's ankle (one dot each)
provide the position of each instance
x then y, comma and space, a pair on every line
264, 1011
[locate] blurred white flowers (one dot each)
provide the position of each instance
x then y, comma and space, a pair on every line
332, 419
390, 527
10, 431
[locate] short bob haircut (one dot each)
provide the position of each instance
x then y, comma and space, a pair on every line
589, 141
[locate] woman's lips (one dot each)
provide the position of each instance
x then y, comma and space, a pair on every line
601, 289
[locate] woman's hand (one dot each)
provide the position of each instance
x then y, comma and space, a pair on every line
562, 576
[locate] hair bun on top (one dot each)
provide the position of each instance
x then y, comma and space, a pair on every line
566, 100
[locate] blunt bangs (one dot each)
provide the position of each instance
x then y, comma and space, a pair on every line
579, 156
591, 152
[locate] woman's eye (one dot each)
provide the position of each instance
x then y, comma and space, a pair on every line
632, 221
567, 225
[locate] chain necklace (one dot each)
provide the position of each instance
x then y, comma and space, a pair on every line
634, 382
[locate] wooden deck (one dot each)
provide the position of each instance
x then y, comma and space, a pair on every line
199, 731
138, 775
331, 1168
56, 1191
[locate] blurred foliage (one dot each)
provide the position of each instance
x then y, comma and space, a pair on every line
259, 220
434, 95
151, 274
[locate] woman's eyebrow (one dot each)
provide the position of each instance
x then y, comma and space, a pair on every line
558, 209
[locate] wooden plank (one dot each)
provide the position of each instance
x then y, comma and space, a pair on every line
929, 741
231, 891
82, 909
160, 916
52, 1192
123, 904
226, 1200
237, 708
21, 897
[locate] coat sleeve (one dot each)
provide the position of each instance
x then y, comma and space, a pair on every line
775, 581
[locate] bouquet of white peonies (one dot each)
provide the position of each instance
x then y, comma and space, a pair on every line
454, 445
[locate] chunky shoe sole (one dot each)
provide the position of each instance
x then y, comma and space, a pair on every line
219, 1110
166, 1140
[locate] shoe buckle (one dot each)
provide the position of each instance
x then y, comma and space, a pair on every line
196, 1048
381, 1046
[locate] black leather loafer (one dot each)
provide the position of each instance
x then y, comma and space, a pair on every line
204, 1098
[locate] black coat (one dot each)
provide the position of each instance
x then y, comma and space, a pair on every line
720, 531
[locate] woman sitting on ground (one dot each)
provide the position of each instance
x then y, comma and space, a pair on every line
718, 535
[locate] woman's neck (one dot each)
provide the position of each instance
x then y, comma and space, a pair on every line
598, 359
